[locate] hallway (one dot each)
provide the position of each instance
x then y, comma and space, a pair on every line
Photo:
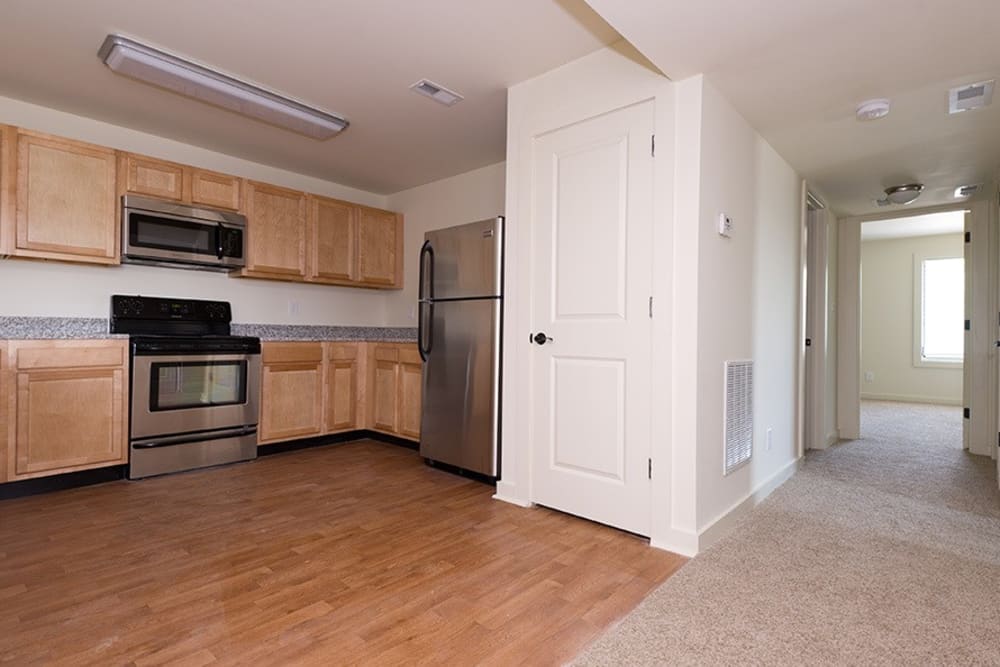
880, 550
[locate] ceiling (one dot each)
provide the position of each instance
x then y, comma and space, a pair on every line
352, 57
930, 224
797, 69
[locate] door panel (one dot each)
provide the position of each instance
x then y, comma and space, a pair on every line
592, 232
459, 424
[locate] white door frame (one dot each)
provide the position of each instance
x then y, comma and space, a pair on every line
981, 358
816, 309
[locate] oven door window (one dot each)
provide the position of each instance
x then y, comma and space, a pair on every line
182, 385
147, 231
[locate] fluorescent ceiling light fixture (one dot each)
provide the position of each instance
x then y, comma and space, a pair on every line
139, 61
437, 93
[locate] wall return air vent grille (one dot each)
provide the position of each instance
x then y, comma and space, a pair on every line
739, 414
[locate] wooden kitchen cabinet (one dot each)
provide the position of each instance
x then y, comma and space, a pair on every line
152, 177
291, 391
333, 240
344, 400
8, 158
64, 200
276, 232
3, 410
67, 406
394, 395
380, 248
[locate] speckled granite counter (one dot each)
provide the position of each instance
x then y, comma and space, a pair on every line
19, 328
22, 328
306, 332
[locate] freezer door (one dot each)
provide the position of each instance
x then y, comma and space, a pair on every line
463, 261
461, 382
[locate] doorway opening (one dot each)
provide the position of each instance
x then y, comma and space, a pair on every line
913, 330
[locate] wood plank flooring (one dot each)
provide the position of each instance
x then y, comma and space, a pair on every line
348, 554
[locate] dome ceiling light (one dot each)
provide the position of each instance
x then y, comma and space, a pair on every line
901, 194
873, 109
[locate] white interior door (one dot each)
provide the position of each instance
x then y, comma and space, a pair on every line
592, 265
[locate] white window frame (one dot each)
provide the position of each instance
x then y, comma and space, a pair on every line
919, 360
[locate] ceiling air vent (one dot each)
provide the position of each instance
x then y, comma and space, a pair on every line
437, 93
963, 191
972, 96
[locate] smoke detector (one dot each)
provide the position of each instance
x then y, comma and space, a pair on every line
972, 96
437, 93
873, 109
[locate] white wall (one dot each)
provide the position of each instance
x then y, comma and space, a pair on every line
69, 290
474, 195
748, 306
887, 316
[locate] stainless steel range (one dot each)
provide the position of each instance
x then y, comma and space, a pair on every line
195, 387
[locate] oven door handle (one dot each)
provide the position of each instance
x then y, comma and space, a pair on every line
170, 441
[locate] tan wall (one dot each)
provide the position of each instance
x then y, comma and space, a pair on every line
887, 312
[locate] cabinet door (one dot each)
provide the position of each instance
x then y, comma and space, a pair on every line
342, 387
276, 228
3, 411
291, 391
384, 388
152, 177
216, 190
8, 157
65, 205
333, 238
69, 408
380, 260
410, 381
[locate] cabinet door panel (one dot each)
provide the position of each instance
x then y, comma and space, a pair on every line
68, 418
410, 379
342, 397
276, 220
156, 178
290, 404
8, 158
4, 402
384, 395
333, 235
66, 199
379, 259
217, 190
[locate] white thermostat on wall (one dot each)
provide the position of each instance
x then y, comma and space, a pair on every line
725, 225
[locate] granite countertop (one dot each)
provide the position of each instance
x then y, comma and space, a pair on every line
24, 328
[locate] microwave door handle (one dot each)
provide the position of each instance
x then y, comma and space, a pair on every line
219, 229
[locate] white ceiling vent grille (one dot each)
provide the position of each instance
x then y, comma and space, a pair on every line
437, 93
739, 414
972, 96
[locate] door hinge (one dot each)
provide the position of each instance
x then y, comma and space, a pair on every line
966, 413
968, 325
968, 237
649, 469
650, 307
652, 145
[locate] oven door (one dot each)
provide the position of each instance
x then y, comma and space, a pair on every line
193, 393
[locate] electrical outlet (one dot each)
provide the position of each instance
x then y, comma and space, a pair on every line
768, 439
413, 312
869, 377
293, 307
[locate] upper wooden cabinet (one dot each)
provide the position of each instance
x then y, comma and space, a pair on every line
333, 240
67, 406
380, 248
276, 232
152, 177
64, 200
8, 143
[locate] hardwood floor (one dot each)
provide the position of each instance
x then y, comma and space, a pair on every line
348, 554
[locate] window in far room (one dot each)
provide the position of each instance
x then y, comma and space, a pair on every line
940, 311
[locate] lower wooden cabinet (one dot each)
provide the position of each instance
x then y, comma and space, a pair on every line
344, 362
66, 406
291, 391
396, 379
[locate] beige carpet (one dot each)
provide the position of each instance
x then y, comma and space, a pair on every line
884, 550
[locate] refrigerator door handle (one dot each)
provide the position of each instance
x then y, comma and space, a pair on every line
425, 324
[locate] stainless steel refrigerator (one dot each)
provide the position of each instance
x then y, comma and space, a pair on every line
459, 319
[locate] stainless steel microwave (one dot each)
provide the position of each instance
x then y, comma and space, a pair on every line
170, 234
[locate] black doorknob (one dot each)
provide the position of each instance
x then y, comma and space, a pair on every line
541, 338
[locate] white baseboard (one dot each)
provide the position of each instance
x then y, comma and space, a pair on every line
724, 523
508, 493
832, 439
681, 542
906, 398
